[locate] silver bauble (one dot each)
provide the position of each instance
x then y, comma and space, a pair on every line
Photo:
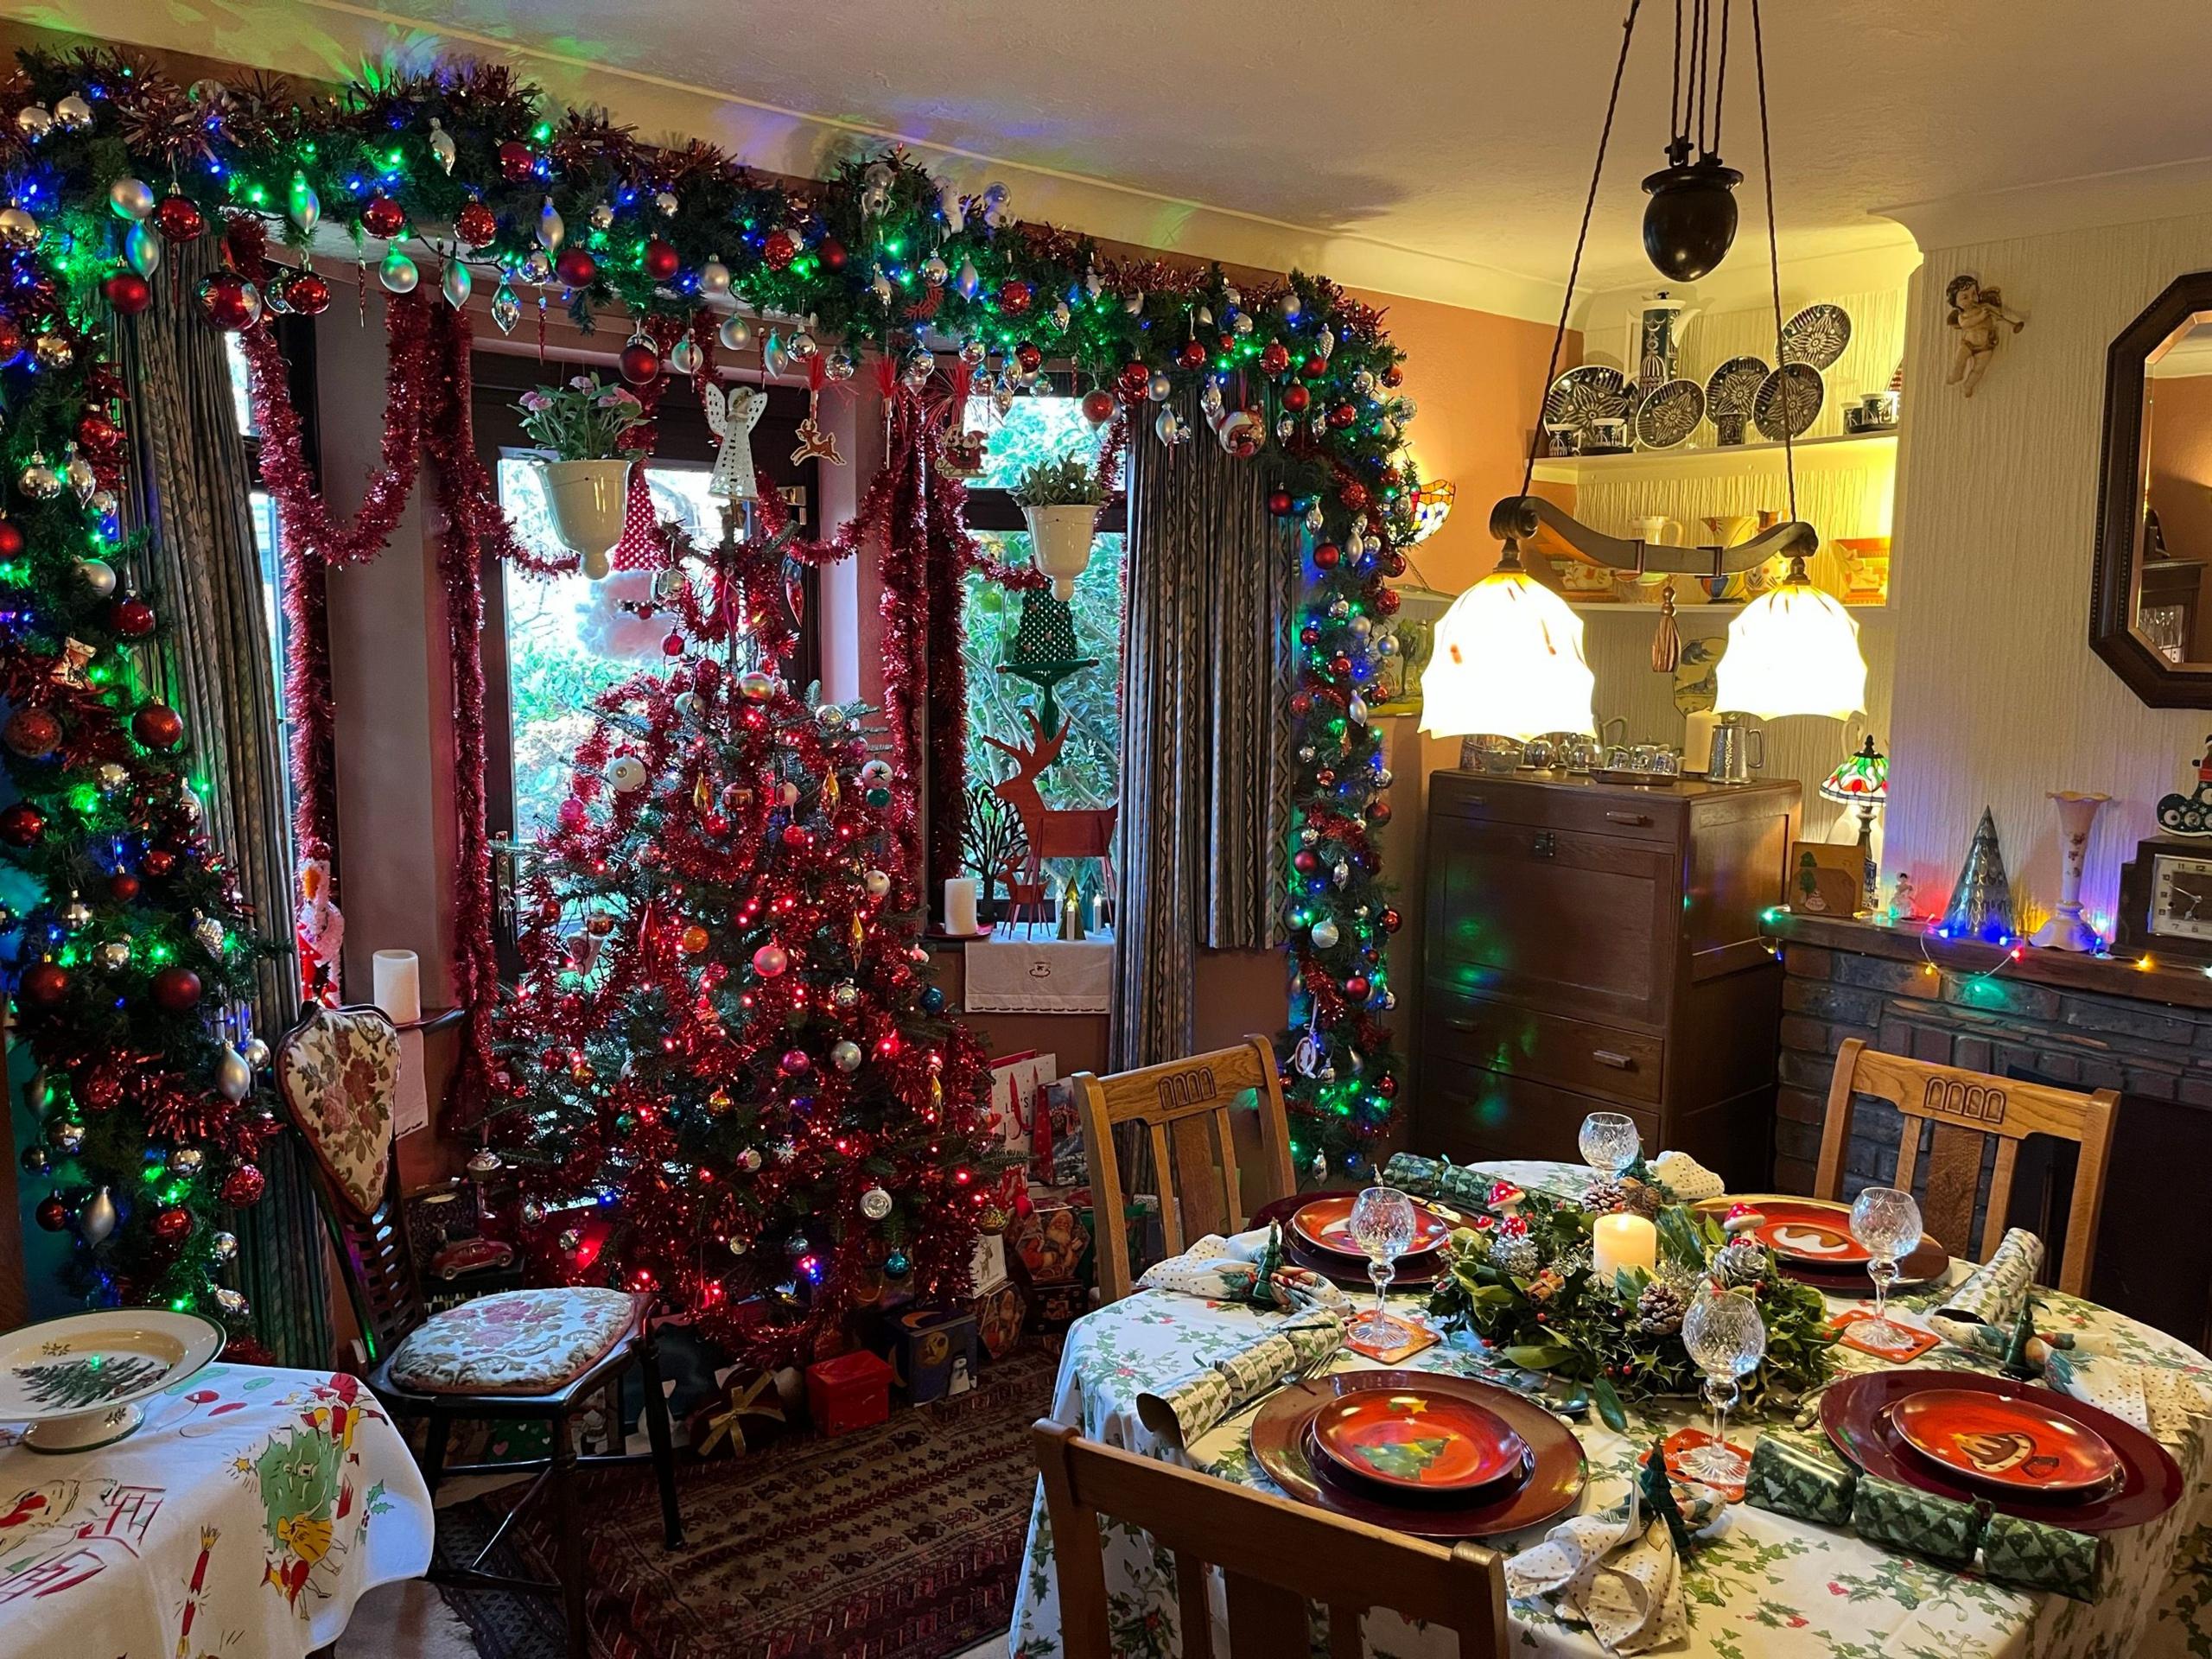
1170, 428
224, 1247
233, 1077
113, 955
54, 351
844, 994
187, 1160
714, 279
141, 249
230, 1303
398, 273
112, 776
570, 1241
207, 931
1159, 388
97, 1219
626, 772
736, 334
803, 347
552, 231
456, 284
34, 121
131, 199
76, 913
877, 883
65, 1136
601, 216
256, 1052
1325, 934
442, 145
37, 479
934, 270
484, 1161
967, 282
666, 202
875, 1203
72, 113
684, 357
83, 480
18, 230
846, 1055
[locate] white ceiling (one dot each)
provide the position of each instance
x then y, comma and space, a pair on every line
1458, 130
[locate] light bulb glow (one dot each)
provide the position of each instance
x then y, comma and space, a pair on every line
1508, 663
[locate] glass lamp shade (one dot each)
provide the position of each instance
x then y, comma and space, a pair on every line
1861, 780
1792, 651
1431, 506
1507, 662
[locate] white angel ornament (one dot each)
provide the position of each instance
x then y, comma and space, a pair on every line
731, 417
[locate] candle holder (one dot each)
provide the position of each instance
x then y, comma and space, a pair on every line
2066, 931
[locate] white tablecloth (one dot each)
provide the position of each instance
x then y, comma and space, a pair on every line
1767, 1587
243, 1521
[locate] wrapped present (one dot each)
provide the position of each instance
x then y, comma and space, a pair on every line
1917, 1523
851, 1391
1050, 1242
934, 1351
1021, 1117
999, 1315
986, 1267
1796, 1477
2037, 1556
1053, 1308
747, 1412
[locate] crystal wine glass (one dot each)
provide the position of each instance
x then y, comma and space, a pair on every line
1610, 1143
1887, 1222
1381, 1225
1726, 1338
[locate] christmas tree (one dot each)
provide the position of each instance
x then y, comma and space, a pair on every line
725, 1041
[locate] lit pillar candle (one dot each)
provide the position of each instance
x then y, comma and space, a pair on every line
960, 906
1623, 1241
398, 985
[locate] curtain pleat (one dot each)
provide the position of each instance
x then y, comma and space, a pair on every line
201, 572
1205, 761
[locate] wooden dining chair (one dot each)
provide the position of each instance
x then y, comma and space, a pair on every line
1275, 1556
1967, 1108
1183, 1104
541, 1356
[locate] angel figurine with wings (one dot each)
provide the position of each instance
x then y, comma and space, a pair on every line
731, 417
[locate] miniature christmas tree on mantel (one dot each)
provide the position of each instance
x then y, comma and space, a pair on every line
1982, 902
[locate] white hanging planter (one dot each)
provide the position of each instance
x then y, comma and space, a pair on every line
586, 500
1060, 541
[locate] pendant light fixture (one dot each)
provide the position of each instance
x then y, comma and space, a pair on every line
1690, 221
1515, 658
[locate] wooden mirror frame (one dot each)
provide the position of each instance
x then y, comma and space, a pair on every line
2158, 682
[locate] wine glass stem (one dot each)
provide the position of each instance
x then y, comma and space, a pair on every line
1881, 1271
1720, 1395
1381, 1273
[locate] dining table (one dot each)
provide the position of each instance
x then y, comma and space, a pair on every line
1761, 1586
245, 1515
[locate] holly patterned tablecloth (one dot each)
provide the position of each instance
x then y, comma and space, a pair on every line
1765, 1587
245, 1517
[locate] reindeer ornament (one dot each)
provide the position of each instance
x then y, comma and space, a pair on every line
1055, 832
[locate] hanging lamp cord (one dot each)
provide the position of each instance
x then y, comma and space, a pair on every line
1774, 277
1581, 237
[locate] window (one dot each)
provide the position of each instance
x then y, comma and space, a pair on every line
1088, 701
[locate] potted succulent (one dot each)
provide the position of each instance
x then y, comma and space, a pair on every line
1060, 499
587, 428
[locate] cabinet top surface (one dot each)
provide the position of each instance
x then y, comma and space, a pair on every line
1687, 789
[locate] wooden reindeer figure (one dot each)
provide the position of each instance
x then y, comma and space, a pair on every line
1055, 832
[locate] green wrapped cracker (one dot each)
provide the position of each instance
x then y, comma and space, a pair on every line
1436, 1178
1920, 1523
2037, 1556
1796, 1477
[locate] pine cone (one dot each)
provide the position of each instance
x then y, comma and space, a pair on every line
1604, 1197
1740, 1261
1643, 1199
1659, 1309
1515, 1256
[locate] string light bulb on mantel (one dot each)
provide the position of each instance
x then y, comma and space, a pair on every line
1794, 650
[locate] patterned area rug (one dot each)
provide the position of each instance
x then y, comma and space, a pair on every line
900, 1541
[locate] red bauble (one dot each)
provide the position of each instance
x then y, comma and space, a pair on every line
1029, 356
1392, 477
1015, 297
778, 250
11, 340
1326, 556
1280, 504
98, 433
1304, 860
661, 262
1353, 495
11, 539
1302, 702
475, 226
1314, 367
173, 1225
516, 161
1394, 376
306, 294
797, 835
1379, 813
1325, 778
1097, 406
131, 617
52, 1213
122, 887
101, 1091
227, 302
1295, 398
833, 254
1134, 380
1394, 564
245, 1186
31, 732
1390, 919
21, 824
1387, 601
159, 861
1387, 1085
1342, 416
128, 292
176, 990
1192, 356
671, 643
1275, 358
44, 984
178, 221
575, 268
1357, 987
157, 725
641, 362
384, 217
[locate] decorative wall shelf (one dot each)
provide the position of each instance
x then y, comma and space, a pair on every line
1847, 448
1682, 608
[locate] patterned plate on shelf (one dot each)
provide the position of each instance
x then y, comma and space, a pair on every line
77, 1380
1581, 398
2011, 1440
1816, 335
1669, 414
1730, 389
1807, 391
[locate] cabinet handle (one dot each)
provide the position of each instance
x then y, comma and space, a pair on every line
1462, 1025
1608, 1056
1628, 817
1544, 844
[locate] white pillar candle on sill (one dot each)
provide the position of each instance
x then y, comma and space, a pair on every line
1622, 1240
398, 985
960, 906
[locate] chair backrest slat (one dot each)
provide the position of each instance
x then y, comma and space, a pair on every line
1967, 1108
1184, 1107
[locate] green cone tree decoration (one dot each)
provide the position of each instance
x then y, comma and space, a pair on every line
1044, 651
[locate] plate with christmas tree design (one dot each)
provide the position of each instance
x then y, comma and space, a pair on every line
77, 1380
1418, 1440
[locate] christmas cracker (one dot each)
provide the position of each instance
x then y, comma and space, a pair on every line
1178, 1413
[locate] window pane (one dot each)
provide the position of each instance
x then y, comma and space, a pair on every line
241, 398
266, 542
1032, 429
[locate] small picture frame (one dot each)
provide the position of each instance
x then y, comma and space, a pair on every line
1824, 879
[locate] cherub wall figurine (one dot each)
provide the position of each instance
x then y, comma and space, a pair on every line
1975, 313
731, 416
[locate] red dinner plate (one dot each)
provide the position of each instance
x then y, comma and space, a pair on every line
1855, 1412
1418, 1439
1811, 1232
1414, 1272
1325, 1224
2005, 1439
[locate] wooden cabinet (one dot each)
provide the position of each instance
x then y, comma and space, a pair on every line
1595, 947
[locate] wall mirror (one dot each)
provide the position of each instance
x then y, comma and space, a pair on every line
2150, 611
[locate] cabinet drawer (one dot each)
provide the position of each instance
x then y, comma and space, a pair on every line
1469, 1115
1596, 810
1546, 1047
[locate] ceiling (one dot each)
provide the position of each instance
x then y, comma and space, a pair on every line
1423, 129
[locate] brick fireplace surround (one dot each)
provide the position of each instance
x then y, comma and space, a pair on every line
2078, 1021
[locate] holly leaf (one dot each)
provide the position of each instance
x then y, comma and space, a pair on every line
1609, 1405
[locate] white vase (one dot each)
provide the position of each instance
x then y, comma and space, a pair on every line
586, 500
2066, 931
1060, 541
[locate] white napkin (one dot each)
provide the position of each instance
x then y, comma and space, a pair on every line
2161, 1400
1223, 1269
1690, 1181
1620, 1578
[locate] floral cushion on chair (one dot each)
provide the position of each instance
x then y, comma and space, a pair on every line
515, 1341
340, 1070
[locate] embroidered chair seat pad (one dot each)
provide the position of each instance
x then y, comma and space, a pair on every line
514, 1342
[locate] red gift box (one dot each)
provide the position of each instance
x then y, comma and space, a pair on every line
851, 1391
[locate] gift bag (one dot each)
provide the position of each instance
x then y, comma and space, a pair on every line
1021, 1118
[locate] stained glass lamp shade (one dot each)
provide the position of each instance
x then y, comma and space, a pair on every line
1861, 780
1431, 506
1794, 650
1508, 662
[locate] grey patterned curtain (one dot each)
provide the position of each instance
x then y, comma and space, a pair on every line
189, 487
1205, 742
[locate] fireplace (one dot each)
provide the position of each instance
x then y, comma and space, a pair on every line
2080, 1022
